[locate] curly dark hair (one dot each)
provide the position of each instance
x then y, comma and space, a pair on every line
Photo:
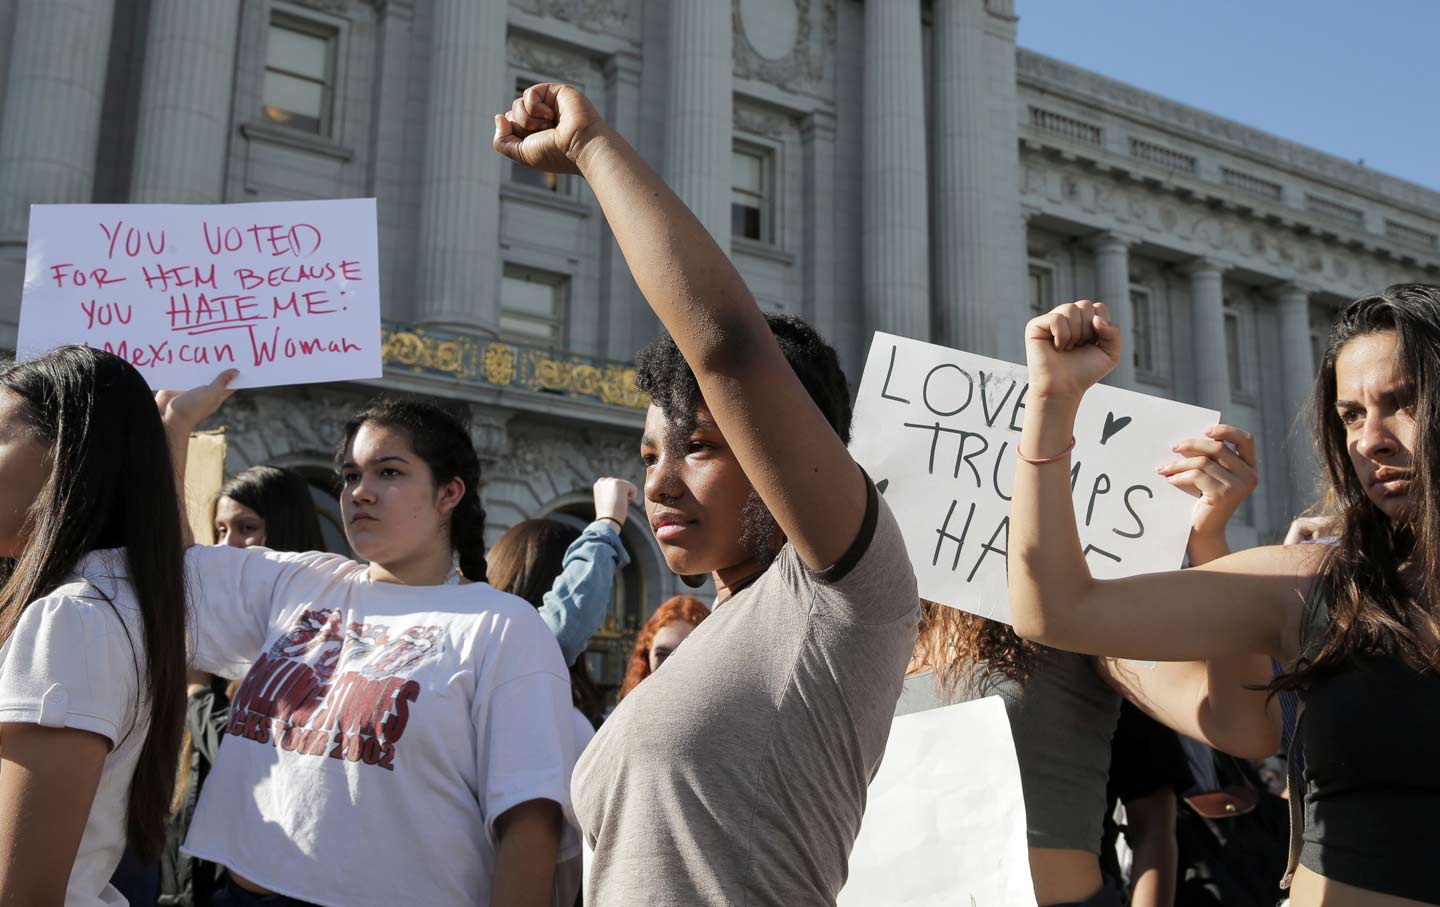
956, 645
662, 372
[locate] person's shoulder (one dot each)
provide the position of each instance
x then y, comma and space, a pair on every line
325, 562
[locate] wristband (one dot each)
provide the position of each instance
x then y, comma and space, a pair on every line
1041, 461
618, 525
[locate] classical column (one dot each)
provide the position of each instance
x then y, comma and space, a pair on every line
698, 118
895, 235
1207, 326
1112, 267
1297, 380
979, 246
626, 322
392, 155
184, 121
51, 123
458, 280
817, 147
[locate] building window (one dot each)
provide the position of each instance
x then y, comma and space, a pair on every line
1234, 353
532, 306
750, 193
558, 183
1143, 313
299, 74
1042, 289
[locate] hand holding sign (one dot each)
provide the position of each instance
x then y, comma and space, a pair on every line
1220, 470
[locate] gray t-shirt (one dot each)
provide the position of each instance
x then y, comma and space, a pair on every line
1062, 722
736, 774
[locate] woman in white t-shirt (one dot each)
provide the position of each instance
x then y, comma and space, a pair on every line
403, 731
92, 626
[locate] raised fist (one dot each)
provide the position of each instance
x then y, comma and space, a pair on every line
547, 127
1071, 348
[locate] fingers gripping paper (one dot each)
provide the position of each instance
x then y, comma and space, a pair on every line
945, 817
287, 292
936, 429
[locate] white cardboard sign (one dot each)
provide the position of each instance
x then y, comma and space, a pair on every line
936, 429
286, 292
944, 821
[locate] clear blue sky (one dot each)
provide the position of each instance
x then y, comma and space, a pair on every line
1356, 80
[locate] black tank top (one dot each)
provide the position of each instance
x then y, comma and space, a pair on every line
1371, 739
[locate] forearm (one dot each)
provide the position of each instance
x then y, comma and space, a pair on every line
1151, 834
578, 601
1047, 566
525, 858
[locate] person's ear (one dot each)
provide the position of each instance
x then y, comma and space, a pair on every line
449, 493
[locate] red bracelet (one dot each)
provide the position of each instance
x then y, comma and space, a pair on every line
1041, 461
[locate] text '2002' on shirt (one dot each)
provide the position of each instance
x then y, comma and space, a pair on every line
380, 732
736, 774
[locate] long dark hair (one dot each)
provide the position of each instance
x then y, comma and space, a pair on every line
955, 645
111, 485
282, 498
442, 441
525, 562
1372, 610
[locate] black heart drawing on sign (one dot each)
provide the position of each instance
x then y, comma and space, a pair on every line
1112, 426
881, 485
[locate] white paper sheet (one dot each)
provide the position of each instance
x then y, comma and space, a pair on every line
287, 292
945, 821
936, 429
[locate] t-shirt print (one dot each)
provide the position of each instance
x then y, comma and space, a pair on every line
327, 688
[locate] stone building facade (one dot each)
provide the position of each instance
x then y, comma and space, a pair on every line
894, 165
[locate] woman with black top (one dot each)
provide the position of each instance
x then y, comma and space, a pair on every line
1356, 622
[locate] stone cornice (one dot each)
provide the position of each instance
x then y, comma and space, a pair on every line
1246, 141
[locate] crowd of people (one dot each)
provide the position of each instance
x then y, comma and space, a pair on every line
419, 727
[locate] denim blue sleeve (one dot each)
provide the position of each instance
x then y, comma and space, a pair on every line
576, 605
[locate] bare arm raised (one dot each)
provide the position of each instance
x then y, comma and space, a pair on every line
1249, 602
789, 452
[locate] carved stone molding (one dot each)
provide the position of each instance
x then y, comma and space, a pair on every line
1105, 90
569, 464
548, 60
807, 61
601, 16
338, 7
1087, 197
266, 426
760, 120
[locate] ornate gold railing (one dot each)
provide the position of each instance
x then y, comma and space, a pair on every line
471, 359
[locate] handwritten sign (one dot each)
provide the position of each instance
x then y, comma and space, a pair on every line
936, 429
944, 822
287, 292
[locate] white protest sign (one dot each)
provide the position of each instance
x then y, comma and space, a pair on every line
286, 292
944, 819
936, 429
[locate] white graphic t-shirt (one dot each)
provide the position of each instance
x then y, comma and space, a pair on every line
380, 729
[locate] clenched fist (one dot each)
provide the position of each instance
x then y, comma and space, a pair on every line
547, 128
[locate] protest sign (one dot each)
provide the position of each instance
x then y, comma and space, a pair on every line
204, 476
937, 428
944, 821
286, 292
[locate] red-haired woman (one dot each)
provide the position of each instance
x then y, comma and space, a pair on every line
664, 632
